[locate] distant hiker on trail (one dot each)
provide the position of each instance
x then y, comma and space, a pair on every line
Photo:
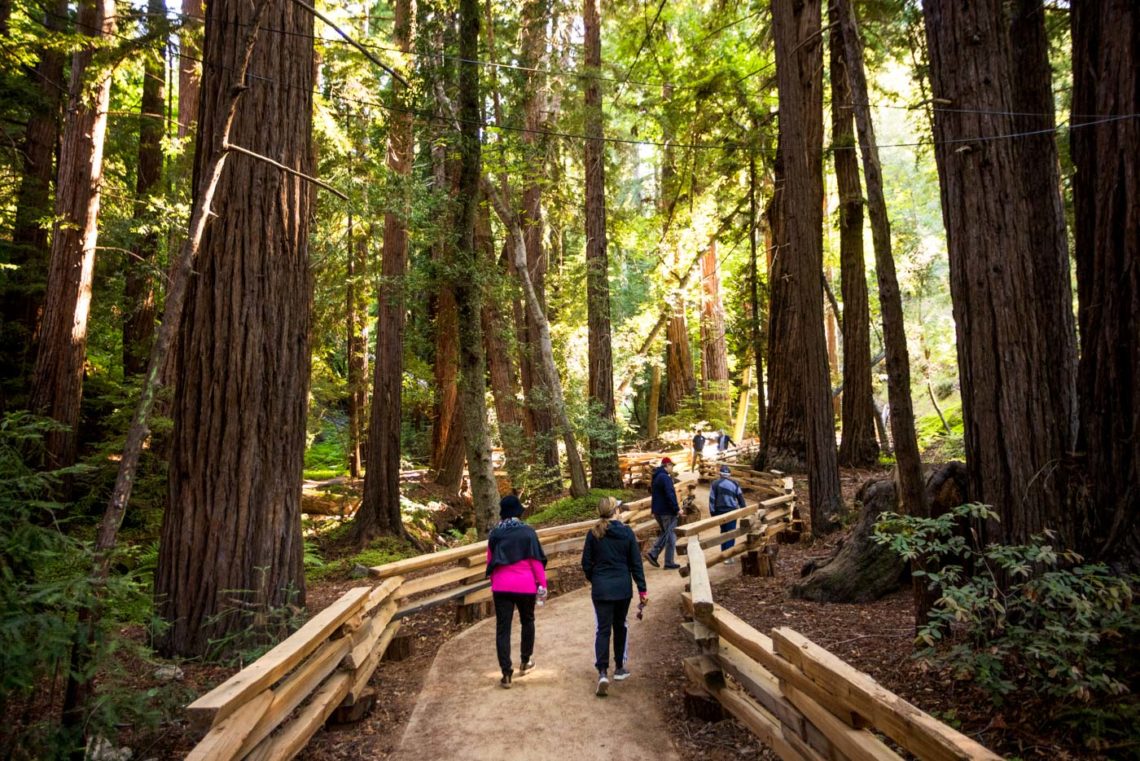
724, 497
698, 450
666, 511
724, 441
516, 566
610, 558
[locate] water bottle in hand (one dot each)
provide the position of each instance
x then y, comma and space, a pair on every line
542, 595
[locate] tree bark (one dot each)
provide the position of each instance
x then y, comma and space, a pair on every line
57, 384
138, 298
799, 63
907, 456
654, 403
757, 307
1012, 304
1106, 192
23, 297
379, 511
189, 69
468, 289
231, 538
858, 447
714, 352
604, 471
356, 308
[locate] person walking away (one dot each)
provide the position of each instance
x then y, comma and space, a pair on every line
723, 442
610, 558
516, 566
725, 496
665, 511
698, 450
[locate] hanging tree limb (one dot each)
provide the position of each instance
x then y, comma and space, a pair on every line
238, 149
348, 38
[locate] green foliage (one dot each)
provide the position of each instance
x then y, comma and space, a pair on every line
1024, 620
44, 584
327, 456
933, 436
570, 509
385, 549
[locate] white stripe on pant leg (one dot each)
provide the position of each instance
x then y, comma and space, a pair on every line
625, 653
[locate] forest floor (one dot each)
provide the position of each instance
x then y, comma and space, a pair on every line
876, 638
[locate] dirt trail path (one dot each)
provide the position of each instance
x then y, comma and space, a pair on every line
552, 712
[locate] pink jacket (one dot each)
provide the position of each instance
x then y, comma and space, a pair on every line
523, 577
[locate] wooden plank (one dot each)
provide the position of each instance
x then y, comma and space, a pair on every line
783, 499
363, 673
716, 557
441, 579
761, 723
913, 729
705, 637
295, 736
704, 672
856, 744
293, 691
447, 595
381, 592
715, 539
805, 749
365, 639
699, 585
696, 527
225, 738
760, 684
430, 560
224, 699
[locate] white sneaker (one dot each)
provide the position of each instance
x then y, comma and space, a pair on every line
603, 685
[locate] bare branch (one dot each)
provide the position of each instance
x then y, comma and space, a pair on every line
354, 43
238, 149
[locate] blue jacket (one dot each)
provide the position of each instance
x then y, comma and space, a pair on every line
610, 562
664, 495
724, 496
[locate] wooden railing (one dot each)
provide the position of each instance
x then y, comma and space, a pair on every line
271, 708
799, 699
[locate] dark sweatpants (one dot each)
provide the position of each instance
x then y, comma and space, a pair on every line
610, 614
505, 604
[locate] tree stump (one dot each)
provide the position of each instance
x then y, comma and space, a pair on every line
699, 704
402, 647
354, 713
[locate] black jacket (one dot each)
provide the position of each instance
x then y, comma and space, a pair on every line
664, 496
611, 561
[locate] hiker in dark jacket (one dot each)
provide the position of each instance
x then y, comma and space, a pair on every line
724, 441
610, 558
724, 497
516, 566
698, 450
666, 511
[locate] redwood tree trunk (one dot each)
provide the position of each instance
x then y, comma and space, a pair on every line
757, 306
859, 448
1008, 272
714, 352
138, 298
23, 295
189, 69
380, 507
57, 383
355, 308
1106, 61
799, 64
468, 290
231, 538
604, 473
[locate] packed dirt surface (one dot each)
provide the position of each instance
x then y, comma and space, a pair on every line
552, 711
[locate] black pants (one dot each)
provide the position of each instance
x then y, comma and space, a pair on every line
610, 615
505, 604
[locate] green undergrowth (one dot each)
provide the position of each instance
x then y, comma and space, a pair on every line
329, 556
570, 509
933, 438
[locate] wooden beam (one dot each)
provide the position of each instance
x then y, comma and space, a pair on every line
381, 592
855, 744
718, 557
704, 672
225, 738
364, 671
423, 584
760, 684
913, 729
292, 739
761, 723
715, 539
696, 527
700, 588
447, 595
365, 640
227, 697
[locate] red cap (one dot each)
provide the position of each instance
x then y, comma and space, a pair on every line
666, 461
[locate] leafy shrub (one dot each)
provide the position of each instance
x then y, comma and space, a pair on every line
1025, 620
570, 509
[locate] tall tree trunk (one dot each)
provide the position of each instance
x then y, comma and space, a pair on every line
799, 64
680, 379
233, 527
714, 351
783, 441
468, 289
532, 44
57, 385
911, 491
355, 309
380, 506
858, 447
1012, 304
138, 298
189, 69
654, 403
757, 307
23, 296
1106, 191
603, 442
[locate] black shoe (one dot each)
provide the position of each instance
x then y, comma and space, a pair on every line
671, 566
505, 682
621, 674
652, 561
526, 666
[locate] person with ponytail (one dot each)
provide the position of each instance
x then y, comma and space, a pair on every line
516, 566
610, 559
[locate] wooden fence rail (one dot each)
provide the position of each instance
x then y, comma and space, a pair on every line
272, 707
800, 700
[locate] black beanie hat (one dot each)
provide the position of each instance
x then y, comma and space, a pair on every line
510, 507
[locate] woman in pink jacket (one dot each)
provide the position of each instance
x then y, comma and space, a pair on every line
516, 566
